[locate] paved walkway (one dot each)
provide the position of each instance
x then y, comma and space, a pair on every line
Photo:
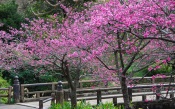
34, 105
14, 106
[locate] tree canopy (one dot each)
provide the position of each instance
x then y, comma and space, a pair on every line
111, 38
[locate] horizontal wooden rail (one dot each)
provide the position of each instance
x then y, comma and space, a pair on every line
40, 84
35, 92
4, 88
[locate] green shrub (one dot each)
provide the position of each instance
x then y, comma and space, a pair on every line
83, 105
165, 69
3, 84
107, 106
28, 75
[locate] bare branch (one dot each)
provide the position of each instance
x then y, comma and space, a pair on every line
54, 5
157, 38
38, 13
104, 64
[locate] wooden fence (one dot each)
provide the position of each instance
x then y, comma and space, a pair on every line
20, 95
99, 83
8, 93
104, 93
53, 85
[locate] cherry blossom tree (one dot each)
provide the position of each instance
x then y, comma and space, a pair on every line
42, 45
115, 38
136, 34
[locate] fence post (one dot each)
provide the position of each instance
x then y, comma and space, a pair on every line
115, 101
16, 90
38, 95
59, 93
158, 93
53, 98
98, 97
143, 98
153, 80
171, 94
130, 93
66, 95
40, 104
22, 93
9, 94
53, 87
80, 84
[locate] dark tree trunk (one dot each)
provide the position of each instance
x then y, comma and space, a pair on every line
122, 78
125, 92
73, 98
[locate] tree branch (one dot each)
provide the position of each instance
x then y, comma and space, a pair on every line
157, 38
40, 14
104, 64
120, 53
54, 5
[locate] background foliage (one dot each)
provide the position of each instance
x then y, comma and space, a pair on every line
9, 16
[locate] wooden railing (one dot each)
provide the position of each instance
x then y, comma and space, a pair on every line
101, 92
53, 85
19, 90
104, 93
8, 92
37, 93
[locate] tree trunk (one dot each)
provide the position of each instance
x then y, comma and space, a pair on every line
72, 84
73, 98
125, 92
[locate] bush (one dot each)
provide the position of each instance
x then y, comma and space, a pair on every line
28, 76
82, 105
165, 69
3, 84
